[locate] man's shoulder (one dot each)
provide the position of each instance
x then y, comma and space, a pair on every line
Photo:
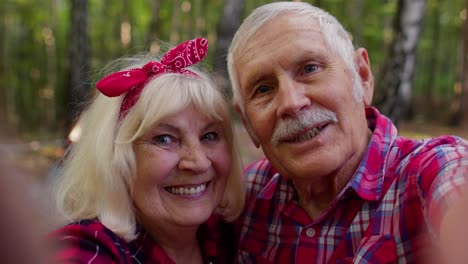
260, 169
257, 175
427, 160
446, 141
431, 147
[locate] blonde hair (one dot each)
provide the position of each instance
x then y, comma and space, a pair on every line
98, 173
336, 37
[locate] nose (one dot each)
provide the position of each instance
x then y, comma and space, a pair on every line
193, 158
291, 98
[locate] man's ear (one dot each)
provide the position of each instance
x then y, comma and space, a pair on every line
365, 72
247, 125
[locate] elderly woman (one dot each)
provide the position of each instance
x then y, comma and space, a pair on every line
155, 176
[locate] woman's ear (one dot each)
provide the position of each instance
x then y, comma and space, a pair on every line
364, 70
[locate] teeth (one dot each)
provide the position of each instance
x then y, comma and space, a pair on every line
312, 133
187, 190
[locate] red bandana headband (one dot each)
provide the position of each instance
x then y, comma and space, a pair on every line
132, 81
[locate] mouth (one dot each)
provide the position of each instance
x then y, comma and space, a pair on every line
187, 190
304, 135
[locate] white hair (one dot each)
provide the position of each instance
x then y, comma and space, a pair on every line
98, 173
335, 35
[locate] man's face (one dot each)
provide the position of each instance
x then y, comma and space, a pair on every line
298, 99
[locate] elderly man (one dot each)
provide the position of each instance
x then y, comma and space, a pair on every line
338, 185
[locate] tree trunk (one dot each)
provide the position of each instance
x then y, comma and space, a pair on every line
3, 66
356, 10
432, 61
8, 75
228, 24
464, 73
199, 25
154, 23
399, 69
175, 23
48, 93
78, 61
126, 26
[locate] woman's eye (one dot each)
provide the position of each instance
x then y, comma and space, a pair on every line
310, 68
211, 136
163, 139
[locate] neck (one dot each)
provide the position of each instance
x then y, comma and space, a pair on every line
183, 253
317, 195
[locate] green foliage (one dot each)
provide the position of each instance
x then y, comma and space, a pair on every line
33, 31
438, 50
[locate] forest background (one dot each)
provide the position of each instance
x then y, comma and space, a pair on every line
53, 51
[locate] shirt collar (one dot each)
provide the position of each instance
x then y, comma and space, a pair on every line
368, 181
286, 188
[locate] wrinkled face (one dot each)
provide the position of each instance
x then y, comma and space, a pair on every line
182, 167
298, 98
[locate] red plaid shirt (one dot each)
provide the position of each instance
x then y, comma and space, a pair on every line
389, 212
89, 241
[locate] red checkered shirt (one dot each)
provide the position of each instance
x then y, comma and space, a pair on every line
89, 241
389, 212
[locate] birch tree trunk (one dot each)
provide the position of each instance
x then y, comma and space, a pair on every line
398, 71
229, 22
79, 80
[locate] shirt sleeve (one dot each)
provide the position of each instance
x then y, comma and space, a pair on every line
444, 173
91, 243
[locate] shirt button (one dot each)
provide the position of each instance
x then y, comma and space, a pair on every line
310, 232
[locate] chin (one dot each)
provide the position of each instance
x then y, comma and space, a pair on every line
198, 215
312, 167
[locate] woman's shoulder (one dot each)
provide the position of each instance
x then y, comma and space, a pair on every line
85, 229
87, 240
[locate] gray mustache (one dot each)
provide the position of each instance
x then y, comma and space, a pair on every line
306, 119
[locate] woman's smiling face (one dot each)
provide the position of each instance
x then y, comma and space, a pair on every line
182, 168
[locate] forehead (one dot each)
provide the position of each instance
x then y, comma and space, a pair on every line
286, 38
187, 118
286, 24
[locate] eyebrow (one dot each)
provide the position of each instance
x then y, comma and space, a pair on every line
176, 129
253, 78
258, 74
166, 126
214, 124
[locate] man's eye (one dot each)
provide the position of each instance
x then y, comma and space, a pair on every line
263, 89
163, 139
310, 68
210, 136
